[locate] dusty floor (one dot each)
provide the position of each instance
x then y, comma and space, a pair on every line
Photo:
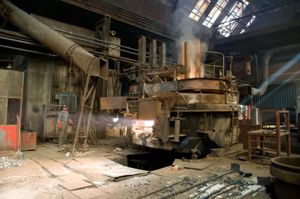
47, 173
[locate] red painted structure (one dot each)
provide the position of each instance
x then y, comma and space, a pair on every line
8, 137
28, 141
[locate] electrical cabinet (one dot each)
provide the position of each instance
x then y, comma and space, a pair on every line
68, 99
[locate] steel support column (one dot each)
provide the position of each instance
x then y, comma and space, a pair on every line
87, 101
153, 53
162, 55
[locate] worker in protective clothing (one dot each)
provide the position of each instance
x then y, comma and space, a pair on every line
63, 121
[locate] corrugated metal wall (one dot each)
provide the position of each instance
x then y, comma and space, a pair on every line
277, 97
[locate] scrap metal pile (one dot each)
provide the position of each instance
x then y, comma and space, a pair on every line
232, 184
8, 162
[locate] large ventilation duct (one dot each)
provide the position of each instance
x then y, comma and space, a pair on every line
266, 62
266, 65
62, 46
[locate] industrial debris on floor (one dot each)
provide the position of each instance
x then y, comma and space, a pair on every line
222, 185
7, 162
102, 172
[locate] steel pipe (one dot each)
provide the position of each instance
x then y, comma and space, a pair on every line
26, 50
95, 40
96, 43
62, 46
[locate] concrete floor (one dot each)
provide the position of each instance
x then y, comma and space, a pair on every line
47, 173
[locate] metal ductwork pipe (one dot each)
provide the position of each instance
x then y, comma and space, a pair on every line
266, 64
62, 46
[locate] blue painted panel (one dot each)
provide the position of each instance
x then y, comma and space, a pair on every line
278, 97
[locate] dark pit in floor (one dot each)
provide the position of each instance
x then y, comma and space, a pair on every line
150, 160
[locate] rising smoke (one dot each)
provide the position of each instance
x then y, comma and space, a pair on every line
188, 30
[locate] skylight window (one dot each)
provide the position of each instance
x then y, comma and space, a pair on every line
214, 13
249, 23
229, 22
199, 9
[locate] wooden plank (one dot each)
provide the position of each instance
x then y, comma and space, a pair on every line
71, 182
120, 172
91, 193
51, 166
69, 195
89, 171
51, 152
109, 168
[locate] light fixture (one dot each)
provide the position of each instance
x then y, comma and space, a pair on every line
9, 66
115, 119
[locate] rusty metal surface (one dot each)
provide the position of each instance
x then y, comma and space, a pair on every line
200, 98
285, 190
210, 186
3, 110
50, 114
153, 53
11, 96
201, 84
162, 55
244, 128
207, 105
286, 170
215, 119
196, 84
86, 110
166, 86
205, 108
195, 98
149, 110
111, 103
28, 141
64, 47
142, 50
